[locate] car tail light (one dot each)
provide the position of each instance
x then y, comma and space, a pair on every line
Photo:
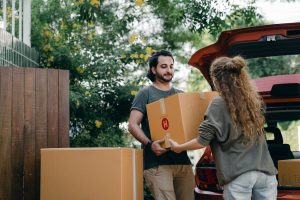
205, 177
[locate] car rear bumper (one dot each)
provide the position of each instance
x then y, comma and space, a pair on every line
290, 194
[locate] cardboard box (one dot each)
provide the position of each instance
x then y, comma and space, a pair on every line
92, 173
289, 173
178, 116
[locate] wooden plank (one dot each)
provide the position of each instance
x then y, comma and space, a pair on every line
64, 109
5, 133
17, 132
40, 120
52, 108
29, 136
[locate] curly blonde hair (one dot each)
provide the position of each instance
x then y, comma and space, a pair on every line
232, 81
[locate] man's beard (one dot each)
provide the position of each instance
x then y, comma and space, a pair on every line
163, 79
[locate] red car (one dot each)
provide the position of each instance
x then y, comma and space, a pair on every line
272, 53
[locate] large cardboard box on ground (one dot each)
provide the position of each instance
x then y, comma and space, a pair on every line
178, 116
91, 174
289, 173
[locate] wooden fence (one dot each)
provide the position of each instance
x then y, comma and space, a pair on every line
34, 114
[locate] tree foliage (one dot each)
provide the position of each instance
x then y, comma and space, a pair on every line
238, 17
86, 38
271, 66
290, 134
258, 67
106, 45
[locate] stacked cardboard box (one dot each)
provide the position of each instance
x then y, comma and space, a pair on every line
91, 173
178, 116
288, 172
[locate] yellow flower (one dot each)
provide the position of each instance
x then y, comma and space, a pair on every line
98, 123
89, 37
123, 56
77, 103
47, 48
149, 50
51, 59
133, 92
95, 3
144, 41
133, 38
57, 38
80, 70
47, 33
77, 47
146, 58
87, 93
76, 26
142, 55
79, 2
91, 24
139, 2
62, 25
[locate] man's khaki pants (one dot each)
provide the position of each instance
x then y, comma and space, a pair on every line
171, 182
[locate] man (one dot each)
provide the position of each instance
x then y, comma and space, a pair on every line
169, 176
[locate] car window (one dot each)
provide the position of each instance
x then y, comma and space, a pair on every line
269, 136
274, 65
291, 133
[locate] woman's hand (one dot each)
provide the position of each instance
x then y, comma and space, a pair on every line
175, 146
157, 149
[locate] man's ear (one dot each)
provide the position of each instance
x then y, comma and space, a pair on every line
153, 70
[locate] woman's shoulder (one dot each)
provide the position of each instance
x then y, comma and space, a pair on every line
218, 101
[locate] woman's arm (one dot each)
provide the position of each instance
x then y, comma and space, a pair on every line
190, 145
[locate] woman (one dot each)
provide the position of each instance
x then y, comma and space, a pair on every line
233, 127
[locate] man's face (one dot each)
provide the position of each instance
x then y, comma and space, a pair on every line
164, 70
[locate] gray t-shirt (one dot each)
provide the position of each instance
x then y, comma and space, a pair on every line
232, 157
145, 96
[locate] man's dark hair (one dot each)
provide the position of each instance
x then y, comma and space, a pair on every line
153, 61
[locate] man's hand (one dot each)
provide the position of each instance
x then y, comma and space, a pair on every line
175, 146
157, 149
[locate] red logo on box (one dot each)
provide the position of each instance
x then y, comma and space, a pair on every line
165, 123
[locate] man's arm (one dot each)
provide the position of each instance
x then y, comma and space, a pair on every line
134, 128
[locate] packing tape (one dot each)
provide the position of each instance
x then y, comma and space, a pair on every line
162, 106
134, 174
202, 95
167, 142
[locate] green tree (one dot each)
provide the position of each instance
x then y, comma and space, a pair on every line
271, 66
258, 67
87, 38
237, 17
106, 44
289, 132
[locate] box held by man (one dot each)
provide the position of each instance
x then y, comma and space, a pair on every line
178, 116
